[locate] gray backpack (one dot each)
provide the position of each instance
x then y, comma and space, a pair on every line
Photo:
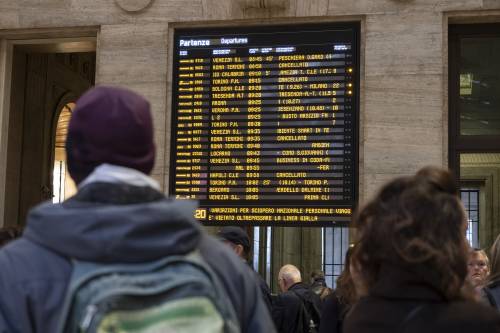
176, 294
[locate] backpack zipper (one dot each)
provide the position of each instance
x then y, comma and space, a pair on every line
90, 312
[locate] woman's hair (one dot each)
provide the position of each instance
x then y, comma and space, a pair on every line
476, 251
345, 290
416, 223
495, 261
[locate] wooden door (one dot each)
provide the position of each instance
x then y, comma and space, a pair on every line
44, 82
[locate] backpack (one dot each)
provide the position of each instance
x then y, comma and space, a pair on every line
175, 294
309, 314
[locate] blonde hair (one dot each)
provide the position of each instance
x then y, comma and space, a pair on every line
495, 260
476, 251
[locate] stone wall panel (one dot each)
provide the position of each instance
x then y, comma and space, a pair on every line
403, 95
369, 7
411, 44
312, 8
217, 9
135, 56
404, 99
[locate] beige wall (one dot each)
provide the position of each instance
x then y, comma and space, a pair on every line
403, 65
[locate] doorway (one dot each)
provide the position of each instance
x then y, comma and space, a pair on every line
47, 77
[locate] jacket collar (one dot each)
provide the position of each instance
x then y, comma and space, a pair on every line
109, 173
298, 286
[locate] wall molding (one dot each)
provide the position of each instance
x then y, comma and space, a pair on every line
133, 6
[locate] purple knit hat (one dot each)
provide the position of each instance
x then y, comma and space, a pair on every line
110, 125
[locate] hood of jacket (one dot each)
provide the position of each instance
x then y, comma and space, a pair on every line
112, 222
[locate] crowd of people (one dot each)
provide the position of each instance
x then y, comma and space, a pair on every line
119, 256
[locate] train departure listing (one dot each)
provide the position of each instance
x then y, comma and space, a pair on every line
265, 124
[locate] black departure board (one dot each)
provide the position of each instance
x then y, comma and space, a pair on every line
265, 123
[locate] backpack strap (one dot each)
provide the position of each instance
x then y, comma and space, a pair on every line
304, 300
303, 316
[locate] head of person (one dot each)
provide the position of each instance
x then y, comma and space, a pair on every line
288, 276
317, 275
237, 239
416, 223
478, 266
110, 125
8, 234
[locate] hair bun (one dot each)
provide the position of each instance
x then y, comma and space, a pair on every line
441, 179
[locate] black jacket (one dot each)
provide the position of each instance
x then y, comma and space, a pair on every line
287, 306
333, 314
491, 294
407, 302
265, 291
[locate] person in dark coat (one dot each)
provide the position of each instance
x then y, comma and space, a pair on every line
318, 284
411, 253
287, 305
238, 240
338, 304
119, 215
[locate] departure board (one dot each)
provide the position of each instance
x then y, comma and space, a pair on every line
265, 123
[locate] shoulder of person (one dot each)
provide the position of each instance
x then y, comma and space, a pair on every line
454, 317
224, 261
240, 283
458, 316
29, 261
32, 286
470, 313
331, 302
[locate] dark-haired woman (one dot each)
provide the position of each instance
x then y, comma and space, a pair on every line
339, 303
412, 255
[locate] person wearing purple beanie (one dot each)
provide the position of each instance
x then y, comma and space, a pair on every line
118, 216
